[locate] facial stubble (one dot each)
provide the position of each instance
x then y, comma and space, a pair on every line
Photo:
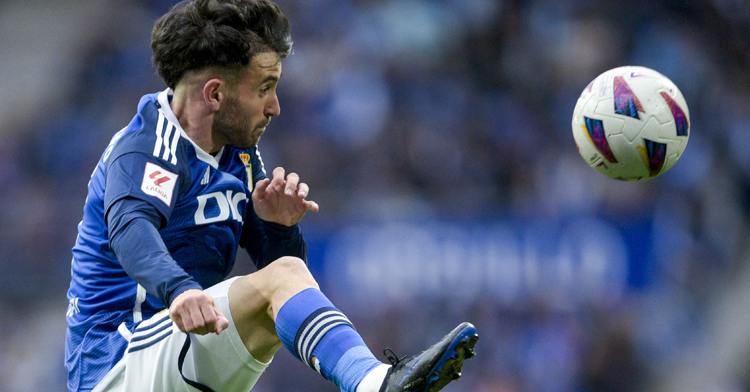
236, 127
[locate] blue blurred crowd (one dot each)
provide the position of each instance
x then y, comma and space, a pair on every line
435, 135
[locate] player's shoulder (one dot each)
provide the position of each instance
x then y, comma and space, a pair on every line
140, 134
153, 133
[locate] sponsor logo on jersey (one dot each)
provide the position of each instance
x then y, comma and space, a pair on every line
227, 203
245, 158
158, 182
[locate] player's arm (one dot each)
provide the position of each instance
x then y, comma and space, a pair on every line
268, 241
133, 222
270, 230
136, 242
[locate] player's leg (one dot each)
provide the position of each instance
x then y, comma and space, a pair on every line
282, 304
283, 300
255, 300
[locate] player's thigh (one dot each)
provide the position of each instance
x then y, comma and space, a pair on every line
161, 358
222, 361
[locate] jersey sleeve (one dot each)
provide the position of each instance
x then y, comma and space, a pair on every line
148, 164
136, 176
134, 239
267, 241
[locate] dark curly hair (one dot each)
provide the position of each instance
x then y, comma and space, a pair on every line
196, 34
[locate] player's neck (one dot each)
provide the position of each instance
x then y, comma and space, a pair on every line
195, 120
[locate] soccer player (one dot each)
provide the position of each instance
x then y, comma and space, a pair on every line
171, 199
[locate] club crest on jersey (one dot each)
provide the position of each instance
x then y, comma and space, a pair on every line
158, 182
245, 158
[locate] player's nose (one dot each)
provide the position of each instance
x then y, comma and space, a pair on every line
272, 108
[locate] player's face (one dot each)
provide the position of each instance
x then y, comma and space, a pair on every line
251, 104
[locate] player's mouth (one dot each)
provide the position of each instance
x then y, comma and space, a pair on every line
262, 126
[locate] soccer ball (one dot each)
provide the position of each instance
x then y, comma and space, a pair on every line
631, 123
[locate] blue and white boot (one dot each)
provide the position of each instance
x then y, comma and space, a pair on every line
435, 367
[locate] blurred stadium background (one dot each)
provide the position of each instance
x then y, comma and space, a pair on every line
435, 135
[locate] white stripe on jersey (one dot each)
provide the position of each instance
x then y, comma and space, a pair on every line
166, 110
168, 136
206, 175
175, 140
159, 126
140, 298
262, 166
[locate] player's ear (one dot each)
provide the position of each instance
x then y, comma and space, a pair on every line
213, 93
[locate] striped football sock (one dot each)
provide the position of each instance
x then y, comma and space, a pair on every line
318, 334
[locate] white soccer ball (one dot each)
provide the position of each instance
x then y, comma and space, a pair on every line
631, 123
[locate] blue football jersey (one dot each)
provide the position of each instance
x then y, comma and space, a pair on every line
204, 200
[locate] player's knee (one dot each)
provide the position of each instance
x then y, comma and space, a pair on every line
273, 285
292, 270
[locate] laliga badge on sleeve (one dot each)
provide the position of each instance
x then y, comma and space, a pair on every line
158, 182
